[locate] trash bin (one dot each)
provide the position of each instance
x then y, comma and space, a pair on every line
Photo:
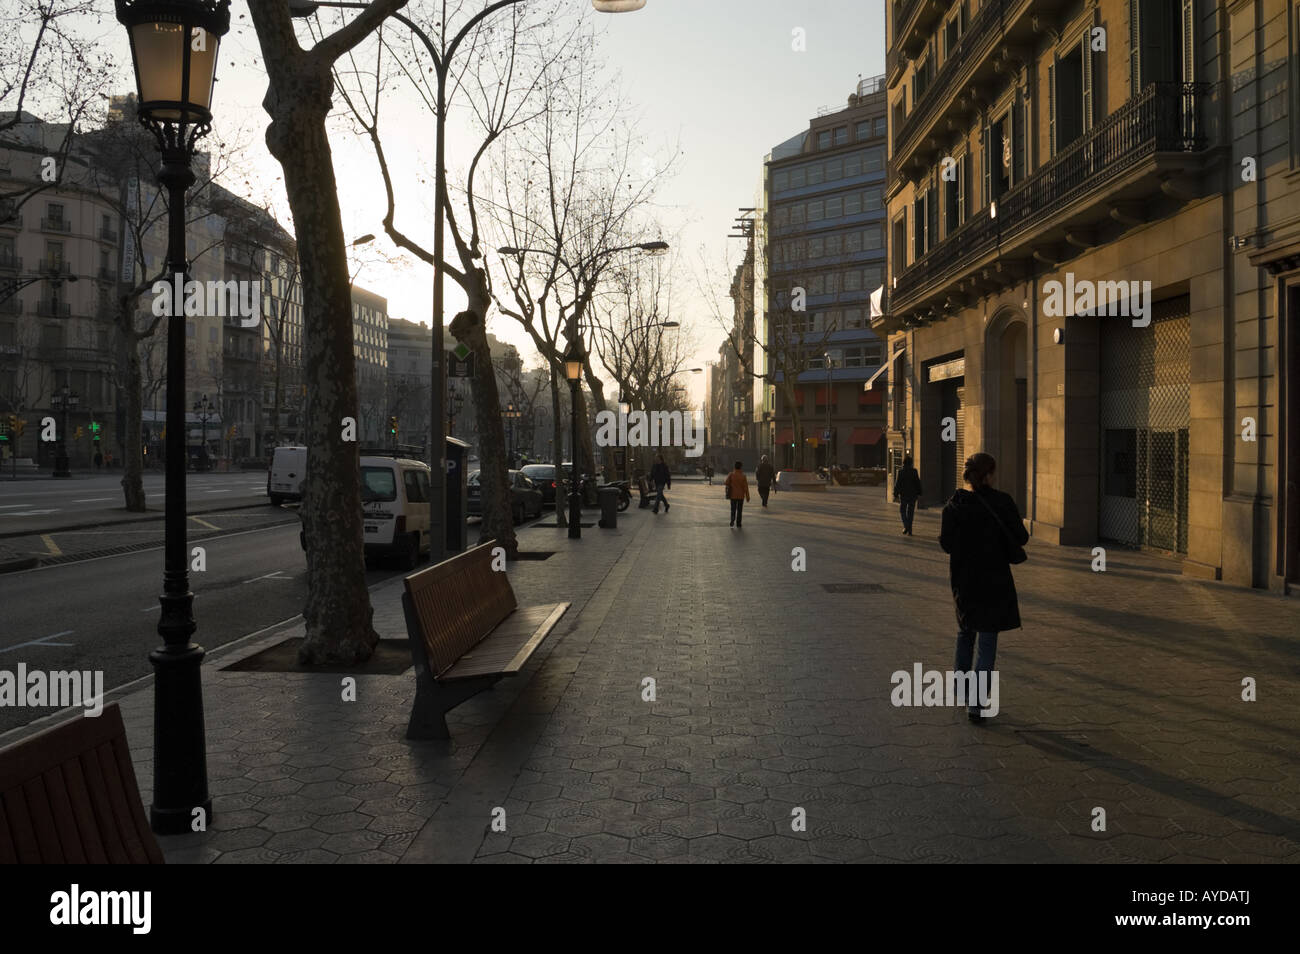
608, 507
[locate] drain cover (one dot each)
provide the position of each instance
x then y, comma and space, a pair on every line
853, 588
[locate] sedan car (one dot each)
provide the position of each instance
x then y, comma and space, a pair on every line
525, 497
543, 475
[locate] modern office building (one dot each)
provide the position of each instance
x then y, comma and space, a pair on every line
370, 347
1095, 268
823, 250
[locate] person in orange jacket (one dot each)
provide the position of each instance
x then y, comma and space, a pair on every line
737, 493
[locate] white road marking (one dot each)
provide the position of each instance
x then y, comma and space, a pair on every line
43, 641
29, 513
92, 499
218, 491
12, 506
266, 577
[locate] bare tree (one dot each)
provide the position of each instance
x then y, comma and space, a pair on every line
47, 65
338, 614
504, 63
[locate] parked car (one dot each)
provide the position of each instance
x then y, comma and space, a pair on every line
525, 497
544, 476
395, 509
288, 471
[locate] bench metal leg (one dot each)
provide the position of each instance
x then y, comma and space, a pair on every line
433, 700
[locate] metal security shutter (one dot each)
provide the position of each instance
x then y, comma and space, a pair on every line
960, 414
1145, 423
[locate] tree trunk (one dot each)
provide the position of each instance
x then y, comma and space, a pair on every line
278, 400
468, 328
133, 465
338, 613
557, 449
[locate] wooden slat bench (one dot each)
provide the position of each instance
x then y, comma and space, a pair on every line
466, 632
68, 796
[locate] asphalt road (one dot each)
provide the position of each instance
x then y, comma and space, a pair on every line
103, 614
37, 505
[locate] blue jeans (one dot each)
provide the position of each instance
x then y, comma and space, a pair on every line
907, 509
657, 498
988, 650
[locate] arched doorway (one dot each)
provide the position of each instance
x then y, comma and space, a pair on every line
1006, 402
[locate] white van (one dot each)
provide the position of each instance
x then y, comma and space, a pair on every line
395, 501
288, 471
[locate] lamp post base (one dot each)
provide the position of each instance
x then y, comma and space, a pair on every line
61, 464
181, 802
575, 516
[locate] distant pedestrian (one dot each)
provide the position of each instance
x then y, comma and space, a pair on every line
108, 460
983, 535
708, 473
737, 493
907, 487
663, 479
99, 460
765, 473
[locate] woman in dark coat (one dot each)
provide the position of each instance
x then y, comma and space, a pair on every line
982, 586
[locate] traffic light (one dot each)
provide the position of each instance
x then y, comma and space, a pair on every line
20, 427
392, 425
78, 434
94, 430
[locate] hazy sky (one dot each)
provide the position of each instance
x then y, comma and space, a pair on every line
717, 77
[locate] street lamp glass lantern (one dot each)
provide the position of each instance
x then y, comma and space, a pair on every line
617, 6
573, 361
174, 46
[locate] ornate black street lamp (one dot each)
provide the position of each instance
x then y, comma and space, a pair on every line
203, 408
574, 358
65, 401
174, 50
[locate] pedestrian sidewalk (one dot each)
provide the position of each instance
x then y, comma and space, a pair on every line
771, 704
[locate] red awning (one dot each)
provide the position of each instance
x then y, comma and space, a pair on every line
821, 395
874, 396
866, 435
785, 437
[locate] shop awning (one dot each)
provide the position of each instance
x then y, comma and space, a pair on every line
785, 437
866, 435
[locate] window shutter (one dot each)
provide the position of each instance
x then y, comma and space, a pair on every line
1189, 41
932, 206
1051, 109
986, 162
1087, 80
1018, 144
963, 187
1134, 48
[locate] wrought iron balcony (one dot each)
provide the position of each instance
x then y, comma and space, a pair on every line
11, 306
10, 262
10, 222
108, 234
107, 274
56, 225
54, 268
1165, 118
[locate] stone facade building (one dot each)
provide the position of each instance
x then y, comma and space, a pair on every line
1094, 268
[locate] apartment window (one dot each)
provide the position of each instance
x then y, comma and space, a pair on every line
51, 336
834, 169
834, 244
1152, 57
824, 140
881, 127
841, 135
853, 318
853, 165
816, 247
998, 148
899, 244
874, 159
853, 280
798, 177
54, 253
954, 196
920, 218
871, 200
900, 113
106, 224
54, 212
852, 242
871, 237
863, 130
1070, 96
781, 181
212, 335
818, 285
816, 210
853, 203
816, 174
834, 207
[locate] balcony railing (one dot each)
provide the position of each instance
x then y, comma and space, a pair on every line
11, 306
1166, 117
981, 27
53, 309
10, 262
55, 268
107, 234
107, 274
16, 222
56, 225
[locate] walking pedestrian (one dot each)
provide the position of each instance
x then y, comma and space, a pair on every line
764, 474
907, 487
737, 493
708, 473
99, 460
983, 535
663, 479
